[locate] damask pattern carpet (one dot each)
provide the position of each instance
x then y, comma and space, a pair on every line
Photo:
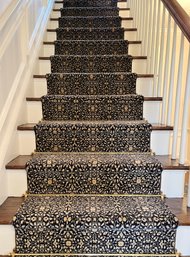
93, 183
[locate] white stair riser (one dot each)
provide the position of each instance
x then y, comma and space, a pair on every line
48, 50
27, 142
139, 66
124, 24
128, 35
122, 13
7, 239
144, 87
172, 183
119, 4
151, 111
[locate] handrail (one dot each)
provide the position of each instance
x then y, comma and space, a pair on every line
179, 15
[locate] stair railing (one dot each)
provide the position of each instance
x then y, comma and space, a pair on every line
164, 28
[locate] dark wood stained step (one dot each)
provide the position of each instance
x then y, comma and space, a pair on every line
121, 9
123, 18
20, 162
9, 208
30, 127
147, 99
139, 76
46, 58
125, 29
135, 42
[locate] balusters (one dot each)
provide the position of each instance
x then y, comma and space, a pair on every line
171, 81
166, 69
183, 144
178, 97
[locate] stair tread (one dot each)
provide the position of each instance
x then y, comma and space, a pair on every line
45, 58
89, 17
120, 8
125, 29
146, 98
129, 42
19, 162
177, 205
30, 126
138, 75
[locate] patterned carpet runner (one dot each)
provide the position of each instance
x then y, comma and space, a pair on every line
93, 184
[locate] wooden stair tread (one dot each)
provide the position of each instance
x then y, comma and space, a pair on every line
30, 126
135, 42
123, 18
138, 75
120, 8
9, 208
146, 98
20, 162
142, 57
177, 205
125, 29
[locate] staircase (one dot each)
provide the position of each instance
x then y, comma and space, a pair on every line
94, 183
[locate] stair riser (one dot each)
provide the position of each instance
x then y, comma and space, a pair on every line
150, 110
144, 87
133, 49
91, 84
7, 239
128, 35
99, 22
91, 47
119, 4
138, 66
27, 142
17, 183
93, 137
124, 24
122, 13
90, 64
64, 182
92, 108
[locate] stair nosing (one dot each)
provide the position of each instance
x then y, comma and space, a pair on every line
36, 76
125, 29
130, 42
22, 164
155, 127
147, 99
140, 57
11, 211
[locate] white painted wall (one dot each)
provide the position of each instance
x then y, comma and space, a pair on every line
22, 25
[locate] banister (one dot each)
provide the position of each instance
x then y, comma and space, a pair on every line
179, 15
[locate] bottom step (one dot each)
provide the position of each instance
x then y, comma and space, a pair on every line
10, 206
91, 224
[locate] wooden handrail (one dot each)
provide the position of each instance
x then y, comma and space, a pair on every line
179, 15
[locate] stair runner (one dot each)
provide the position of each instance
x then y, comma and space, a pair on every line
93, 184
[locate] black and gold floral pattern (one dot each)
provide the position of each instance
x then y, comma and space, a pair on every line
93, 150
95, 224
94, 173
91, 84
57, 107
90, 33
89, 22
93, 136
89, 64
89, 3
91, 47
90, 11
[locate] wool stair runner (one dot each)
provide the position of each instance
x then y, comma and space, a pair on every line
93, 183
